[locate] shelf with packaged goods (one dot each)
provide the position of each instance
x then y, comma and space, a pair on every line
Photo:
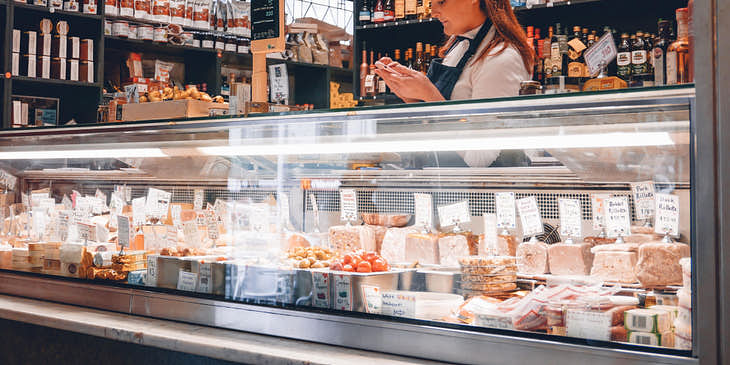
138, 45
134, 20
36, 80
47, 10
427, 21
519, 9
246, 59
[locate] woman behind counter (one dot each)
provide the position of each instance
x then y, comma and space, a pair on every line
487, 55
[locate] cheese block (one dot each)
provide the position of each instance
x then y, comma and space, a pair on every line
379, 236
345, 239
6, 257
665, 339
658, 264
507, 245
71, 253
647, 320
393, 248
422, 248
614, 266
532, 258
452, 246
570, 258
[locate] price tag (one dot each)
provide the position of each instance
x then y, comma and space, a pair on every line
211, 223
320, 289
151, 270
47, 205
125, 192
505, 208
571, 217
205, 278
315, 208
198, 199
373, 300
116, 206
602, 53
588, 324
501, 321
97, 206
220, 209
530, 216
453, 214
348, 205
171, 236
259, 218
67, 204
101, 196
343, 292
666, 220
158, 202
398, 304
423, 209
618, 218
85, 231
64, 221
39, 223
123, 230
138, 211
489, 245
643, 199
598, 207
187, 281
176, 212
191, 234
284, 212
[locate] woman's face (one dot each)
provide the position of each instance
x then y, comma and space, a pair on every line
457, 16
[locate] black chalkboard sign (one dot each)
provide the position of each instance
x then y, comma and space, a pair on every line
264, 19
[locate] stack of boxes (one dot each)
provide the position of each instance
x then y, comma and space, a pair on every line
52, 258
35, 256
340, 100
21, 259
650, 326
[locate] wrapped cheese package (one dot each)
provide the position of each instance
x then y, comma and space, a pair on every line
452, 246
615, 262
532, 258
352, 238
379, 235
658, 263
393, 248
506, 245
422, 248
570, 258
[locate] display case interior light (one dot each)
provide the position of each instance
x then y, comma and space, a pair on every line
597, 140
63, 154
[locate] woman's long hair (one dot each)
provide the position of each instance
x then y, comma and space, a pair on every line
508, 32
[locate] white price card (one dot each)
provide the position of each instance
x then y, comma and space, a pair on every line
500, 321
588, 324
211, 223
454, 214
598, 208
151, 270
643, 193
320, 289
97, 206
284, 212
342, 292
601, 54
176, 213
571, 217
259, 218
116, 206
67, 204
158, 202
124, 191
205, 278
191, 234
666, 220
505, 208
101, 196
198, 199
489, 245
315, 209
618, 216
187, 281
423, 209
373, 299
123, 230
348, 205
530, 216
221, 209
64, 221
399, 304
138, 207
85, 231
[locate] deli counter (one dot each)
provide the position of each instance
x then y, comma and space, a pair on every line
539, 228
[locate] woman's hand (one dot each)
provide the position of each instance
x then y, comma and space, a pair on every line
407, 84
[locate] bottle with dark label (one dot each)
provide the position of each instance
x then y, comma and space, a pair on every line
576, 65
378, 12
389, 11
638, 55
678, 62
623, 58
556, 57
364, 15
419, 63
546, 56
659, 53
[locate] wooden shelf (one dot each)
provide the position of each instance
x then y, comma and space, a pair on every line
138, 45
36, 80
47, 10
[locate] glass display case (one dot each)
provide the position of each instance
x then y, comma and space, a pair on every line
550, 227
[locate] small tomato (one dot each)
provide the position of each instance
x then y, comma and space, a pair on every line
364, 266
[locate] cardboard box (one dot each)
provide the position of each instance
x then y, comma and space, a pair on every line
173, 109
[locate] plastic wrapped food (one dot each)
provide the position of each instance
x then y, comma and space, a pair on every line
455, 245
658, 263
379, 236
393, 248
507, 245
570, 258
351, 238
532, 258
615, 262
386, 220
422, 248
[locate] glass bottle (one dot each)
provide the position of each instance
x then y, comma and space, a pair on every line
659, 53
678, 52
389, 11
378, 12
419, 64
623, 58
638, 54
364, 15
363, 71
556, 61
576, 64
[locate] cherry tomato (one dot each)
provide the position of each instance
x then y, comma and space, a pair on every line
369, 256
355, 260
364, 266
348, 259
348, 267
336, 266
380, 265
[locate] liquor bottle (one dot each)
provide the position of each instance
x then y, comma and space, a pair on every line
691, 40
556, 58
678, 52
396, 56
371, 82
584, 36
382, 88
363, 71
576, 65
419, 9
389, 11
623, 58
409, 58
364, 15
419, 64
434, 53
400, 9
591, 41
659, 53
638, 55
411, 8
426, 56
378, 11
563, 41
546, 54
